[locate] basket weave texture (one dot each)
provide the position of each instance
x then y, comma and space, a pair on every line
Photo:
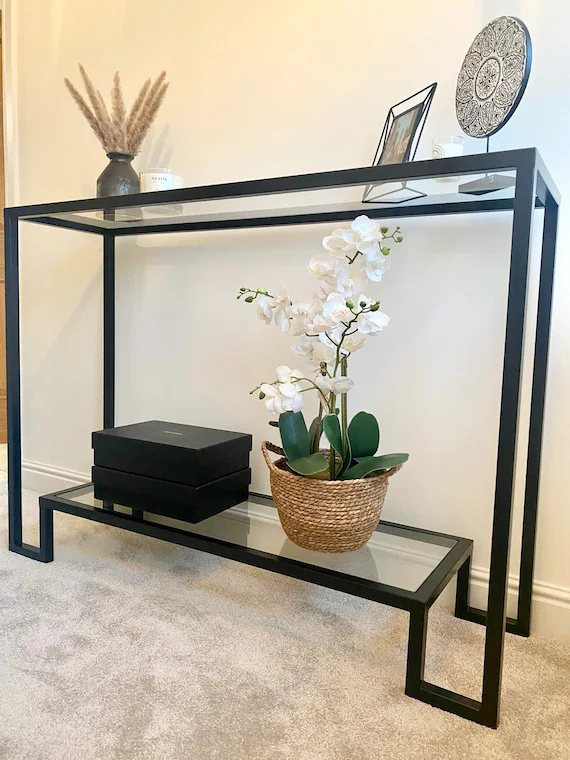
326, 515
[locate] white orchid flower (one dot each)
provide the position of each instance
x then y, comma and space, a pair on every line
372, 322
285, 394
316, 322
376, 267
335, 309
336, 385
281, 306
304, 347
284, 374
352, 343
324, 268
324, 352
365, 235
366, 228
283, 398
338, 245
348, 280
292, 397
319, 324
264, 310
299, 314
341, 385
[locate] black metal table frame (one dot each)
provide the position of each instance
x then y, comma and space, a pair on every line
533, 188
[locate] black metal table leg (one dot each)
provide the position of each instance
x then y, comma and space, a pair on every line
537, 416
43, 553
521, 624
418, 688
487, 712
108, 331
13, 382
462, 608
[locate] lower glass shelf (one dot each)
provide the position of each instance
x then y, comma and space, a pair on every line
400, 565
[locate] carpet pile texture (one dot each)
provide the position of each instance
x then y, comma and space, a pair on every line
125, 647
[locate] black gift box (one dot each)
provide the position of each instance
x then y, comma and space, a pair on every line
171, 451
181, 471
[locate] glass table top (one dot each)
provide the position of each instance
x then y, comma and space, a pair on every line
395, 556
468, 183
339, 203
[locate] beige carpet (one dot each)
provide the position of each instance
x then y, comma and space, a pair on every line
126, 647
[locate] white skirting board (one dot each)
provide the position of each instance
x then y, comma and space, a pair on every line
551, 604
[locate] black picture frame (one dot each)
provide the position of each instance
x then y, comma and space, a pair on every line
405, 122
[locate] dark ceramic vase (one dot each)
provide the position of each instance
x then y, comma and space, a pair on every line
119, 177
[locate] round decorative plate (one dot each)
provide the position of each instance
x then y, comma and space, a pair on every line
493, 76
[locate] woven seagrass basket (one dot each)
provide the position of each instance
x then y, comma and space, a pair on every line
326, 515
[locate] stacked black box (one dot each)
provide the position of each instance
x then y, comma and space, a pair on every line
182, 471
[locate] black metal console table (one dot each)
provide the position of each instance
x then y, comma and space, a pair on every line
185, 210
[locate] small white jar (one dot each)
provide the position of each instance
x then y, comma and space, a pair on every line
159, 179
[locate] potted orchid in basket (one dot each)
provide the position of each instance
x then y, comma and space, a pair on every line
329, 500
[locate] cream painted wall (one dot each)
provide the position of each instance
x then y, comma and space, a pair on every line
262, 88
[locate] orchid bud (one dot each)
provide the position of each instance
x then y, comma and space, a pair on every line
262, 291
375, 306
350, 304
383, 230
362, 304
385, 250
399, 239
249, 299
242, 290
261, 395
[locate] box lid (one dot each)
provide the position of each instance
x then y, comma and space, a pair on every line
202, 440
172, 451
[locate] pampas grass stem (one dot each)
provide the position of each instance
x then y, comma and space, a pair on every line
117, 132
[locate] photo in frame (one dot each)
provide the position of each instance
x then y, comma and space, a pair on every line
399, 141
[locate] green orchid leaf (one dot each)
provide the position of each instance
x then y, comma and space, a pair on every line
364, 435
294, 435
310, 465
331, 427
374, 464
314, 435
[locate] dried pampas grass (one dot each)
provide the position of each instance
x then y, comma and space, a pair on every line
116, 131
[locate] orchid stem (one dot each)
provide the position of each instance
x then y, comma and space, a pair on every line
343, 403
323, 372
332, 460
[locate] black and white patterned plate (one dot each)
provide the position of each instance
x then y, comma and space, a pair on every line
493, 76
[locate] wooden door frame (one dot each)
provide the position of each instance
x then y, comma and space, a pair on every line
9, 186
10, 102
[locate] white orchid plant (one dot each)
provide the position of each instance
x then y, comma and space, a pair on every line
329, 329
